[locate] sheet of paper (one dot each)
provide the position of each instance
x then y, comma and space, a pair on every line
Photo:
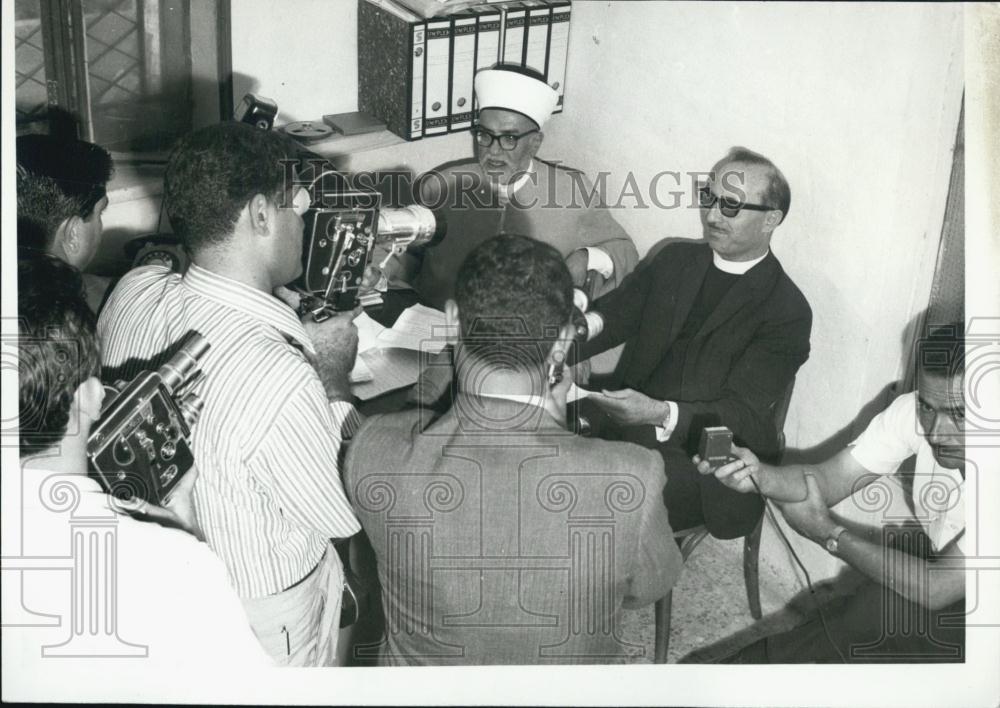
361, 371
419, 328
368, 332
391, 369
575, 393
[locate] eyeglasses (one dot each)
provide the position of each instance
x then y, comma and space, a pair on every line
728, 206
507, 141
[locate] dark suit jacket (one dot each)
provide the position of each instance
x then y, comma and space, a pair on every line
503, 539
737, 367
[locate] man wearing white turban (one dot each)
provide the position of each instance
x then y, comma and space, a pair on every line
507, 189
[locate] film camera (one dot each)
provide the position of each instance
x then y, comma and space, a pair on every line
342, 227
141, 445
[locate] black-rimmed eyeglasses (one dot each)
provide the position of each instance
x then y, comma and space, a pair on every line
485, 138
728, 206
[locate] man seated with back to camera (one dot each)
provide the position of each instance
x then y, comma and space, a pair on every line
61, 197
912, 609
172, 594
529, 540
715, 332
275, 388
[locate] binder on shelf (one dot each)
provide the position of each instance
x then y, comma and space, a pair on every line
391, 57
555, 72
536, 43
513, 34
487, 40
463, 66
437, 82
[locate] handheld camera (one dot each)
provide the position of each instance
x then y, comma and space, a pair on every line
141, 447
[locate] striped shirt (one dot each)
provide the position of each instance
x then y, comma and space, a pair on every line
269, 493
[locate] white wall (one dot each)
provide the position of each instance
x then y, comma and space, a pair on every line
303, 54
857, 103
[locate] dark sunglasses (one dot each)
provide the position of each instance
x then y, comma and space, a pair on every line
507, 141
728, 206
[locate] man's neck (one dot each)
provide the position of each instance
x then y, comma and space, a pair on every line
737, 267
503, 383
69, 456
234, 264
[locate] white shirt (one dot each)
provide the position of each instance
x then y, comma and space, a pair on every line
269, 494
894, 436
170, 607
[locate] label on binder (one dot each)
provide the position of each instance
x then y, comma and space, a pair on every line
537, 45
558, 48
463, 64
513, 42
437, 77
417, 83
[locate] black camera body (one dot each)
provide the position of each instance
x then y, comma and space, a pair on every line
141, 447
342, 226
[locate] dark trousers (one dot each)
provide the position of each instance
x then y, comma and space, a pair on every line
872, 625
691, 499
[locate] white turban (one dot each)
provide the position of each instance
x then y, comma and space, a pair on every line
514, 91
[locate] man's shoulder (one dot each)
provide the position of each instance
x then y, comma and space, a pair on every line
383, 436
788, 293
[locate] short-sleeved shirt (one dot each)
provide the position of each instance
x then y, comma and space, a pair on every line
269, 494
894, 436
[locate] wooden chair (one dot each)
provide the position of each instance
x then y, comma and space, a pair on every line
689, 539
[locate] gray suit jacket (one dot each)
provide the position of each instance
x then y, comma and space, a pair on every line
501, 538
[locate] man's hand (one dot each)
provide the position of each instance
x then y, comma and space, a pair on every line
736, 474
178, 512
629, 407
336, 342
373, 279
577, 263
810, 517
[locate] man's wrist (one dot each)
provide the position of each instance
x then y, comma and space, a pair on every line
663, 415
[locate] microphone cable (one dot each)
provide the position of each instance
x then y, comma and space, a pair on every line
795, 557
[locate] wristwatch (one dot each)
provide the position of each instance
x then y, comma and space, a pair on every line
832, 543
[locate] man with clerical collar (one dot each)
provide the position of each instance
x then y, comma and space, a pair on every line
495, 529
715, 333
506, 188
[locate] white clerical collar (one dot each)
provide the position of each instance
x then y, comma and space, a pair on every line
505, 190
527, 398
735, 267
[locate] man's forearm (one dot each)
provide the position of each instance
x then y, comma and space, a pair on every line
784, 484
907, 575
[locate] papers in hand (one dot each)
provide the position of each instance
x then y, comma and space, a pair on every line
575, 393
380, 367
419, 328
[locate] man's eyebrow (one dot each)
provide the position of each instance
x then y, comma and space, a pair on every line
947, 409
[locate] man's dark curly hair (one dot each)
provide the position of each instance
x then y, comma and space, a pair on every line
57, 178
513, 294
56, 347
213, 172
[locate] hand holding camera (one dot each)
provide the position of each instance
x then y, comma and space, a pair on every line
336, 342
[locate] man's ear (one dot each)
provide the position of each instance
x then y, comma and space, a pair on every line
88, 399
68, 241
772, 219
536, 141
261, 213
451, 321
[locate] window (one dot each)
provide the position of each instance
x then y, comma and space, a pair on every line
121, 73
